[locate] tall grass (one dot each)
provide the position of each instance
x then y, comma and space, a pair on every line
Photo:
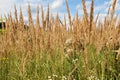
47, 50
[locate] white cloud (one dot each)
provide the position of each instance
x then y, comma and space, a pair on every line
118, 5
57, 4
78, 6
108, 3
6, 6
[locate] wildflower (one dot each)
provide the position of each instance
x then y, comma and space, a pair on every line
55, 75
99, 61
66, 55
64, 78
49, 78
91, 77
75, 60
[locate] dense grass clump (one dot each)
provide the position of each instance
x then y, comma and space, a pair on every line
44, 65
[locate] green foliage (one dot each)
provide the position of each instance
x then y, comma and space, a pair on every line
45, 66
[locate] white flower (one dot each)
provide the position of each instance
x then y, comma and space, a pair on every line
92, 78
64, 78
75, 60
49, 78
55, 75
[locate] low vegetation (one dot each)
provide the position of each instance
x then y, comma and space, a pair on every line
51, 49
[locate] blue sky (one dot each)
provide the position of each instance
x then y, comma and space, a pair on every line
56, 6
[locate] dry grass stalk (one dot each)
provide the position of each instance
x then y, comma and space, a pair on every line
85, 11
91, 14
47, 18
38, 29
10, 21
21, 21
113, 23
91, 18
70, 77
69, 16
37, 19
108, 10
113, 8
112, 11
118, 53
15, 13
96, 20
65, 21
77, 16
43, 22
30, 21
31, 29
57, 24
23, 64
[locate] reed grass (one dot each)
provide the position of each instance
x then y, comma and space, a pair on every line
50, 50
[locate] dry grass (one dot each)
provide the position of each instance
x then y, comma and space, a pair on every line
31, 41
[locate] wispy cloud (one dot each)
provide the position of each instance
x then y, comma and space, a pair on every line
6, 6
57, 4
